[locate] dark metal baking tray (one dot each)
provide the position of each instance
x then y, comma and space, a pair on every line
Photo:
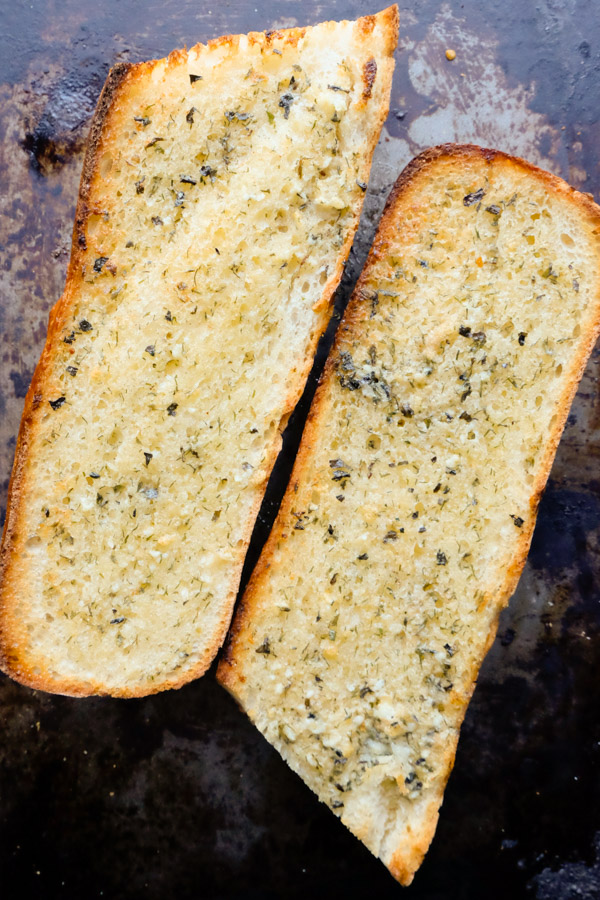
177, 795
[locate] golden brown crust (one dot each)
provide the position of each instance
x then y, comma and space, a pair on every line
117, 81
9, 661
114, 82
409, 856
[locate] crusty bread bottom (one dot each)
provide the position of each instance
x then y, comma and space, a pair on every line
414, 495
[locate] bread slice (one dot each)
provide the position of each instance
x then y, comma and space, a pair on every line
221, 190
414, 495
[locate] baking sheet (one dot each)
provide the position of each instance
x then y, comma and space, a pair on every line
177, 795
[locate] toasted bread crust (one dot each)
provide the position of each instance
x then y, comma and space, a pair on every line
13, 659
408, 856
10, 662
115, 82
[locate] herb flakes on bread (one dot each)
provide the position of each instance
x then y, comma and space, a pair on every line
220, 193
413, 499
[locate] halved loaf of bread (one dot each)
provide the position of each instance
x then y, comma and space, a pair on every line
413, 500
220, 194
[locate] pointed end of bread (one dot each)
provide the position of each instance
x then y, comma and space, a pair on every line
413, 498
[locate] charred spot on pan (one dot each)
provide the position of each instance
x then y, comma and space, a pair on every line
508, 637
20, 382
60, 131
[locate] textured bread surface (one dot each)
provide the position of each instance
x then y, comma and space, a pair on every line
220, 194
413, 499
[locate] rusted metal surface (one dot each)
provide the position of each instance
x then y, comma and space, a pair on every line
178, 795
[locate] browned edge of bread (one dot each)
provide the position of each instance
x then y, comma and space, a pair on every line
115, 84
403, 865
